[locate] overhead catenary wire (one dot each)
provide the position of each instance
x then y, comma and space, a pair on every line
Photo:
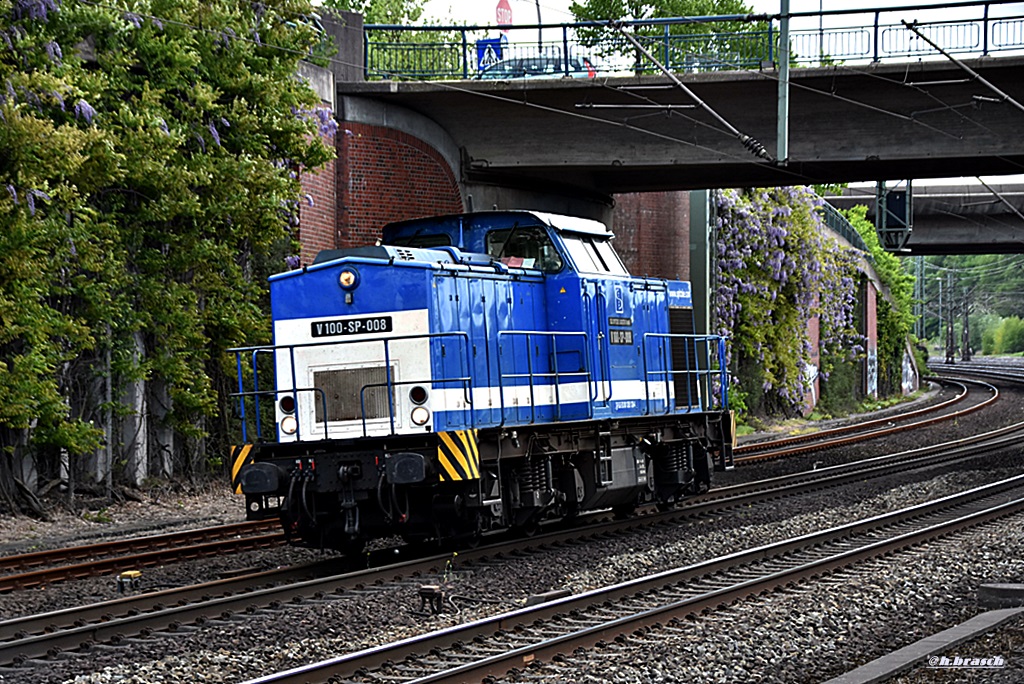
912, 26
730, 130
748, 141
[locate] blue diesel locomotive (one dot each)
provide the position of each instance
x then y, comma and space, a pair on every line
475, 372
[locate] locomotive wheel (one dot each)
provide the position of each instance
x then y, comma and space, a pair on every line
623, 511
529, 528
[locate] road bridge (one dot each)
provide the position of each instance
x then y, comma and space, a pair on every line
956, 219
855, 123
579, 145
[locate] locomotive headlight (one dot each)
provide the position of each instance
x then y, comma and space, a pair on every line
289, 425
348, 279
418, 394
420, 415
287, 404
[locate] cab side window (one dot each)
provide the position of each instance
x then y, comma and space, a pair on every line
529, 247
593, 255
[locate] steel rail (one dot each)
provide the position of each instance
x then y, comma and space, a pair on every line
51, 557
854, 427
352, 665
860, 437
38, 635
36, 578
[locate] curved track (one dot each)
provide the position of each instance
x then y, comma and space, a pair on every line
41, 635
88, 560
872, 429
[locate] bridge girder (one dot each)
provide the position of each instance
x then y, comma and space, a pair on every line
957, 219
847, 123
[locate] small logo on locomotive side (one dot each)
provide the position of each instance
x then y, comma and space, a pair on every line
682, 292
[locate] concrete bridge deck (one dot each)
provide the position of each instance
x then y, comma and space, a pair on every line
926, 119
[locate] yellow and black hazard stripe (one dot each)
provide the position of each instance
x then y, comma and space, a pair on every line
458, 456
240, 456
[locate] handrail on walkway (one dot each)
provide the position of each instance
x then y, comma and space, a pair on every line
589, 49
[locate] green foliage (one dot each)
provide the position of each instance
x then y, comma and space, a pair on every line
102, 516
404, 12
776, 271
596, 10
841, 390
1008, 337
146, 192
895, 313
716, 45
989, 286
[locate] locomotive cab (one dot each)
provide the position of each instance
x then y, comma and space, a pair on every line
476, 372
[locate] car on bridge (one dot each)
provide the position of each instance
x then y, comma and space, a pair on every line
539, 67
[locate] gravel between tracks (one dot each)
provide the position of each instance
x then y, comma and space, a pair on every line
839, 626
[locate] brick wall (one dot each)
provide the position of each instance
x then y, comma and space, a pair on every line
652, 233
386, 175
318, 223
871, 332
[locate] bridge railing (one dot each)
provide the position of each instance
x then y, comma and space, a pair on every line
840, 225
714, 43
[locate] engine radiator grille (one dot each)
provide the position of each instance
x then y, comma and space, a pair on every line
684, 356
340, 389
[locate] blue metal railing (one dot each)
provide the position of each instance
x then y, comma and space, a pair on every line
713, 43
706, 376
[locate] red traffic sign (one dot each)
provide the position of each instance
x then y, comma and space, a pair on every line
503, 13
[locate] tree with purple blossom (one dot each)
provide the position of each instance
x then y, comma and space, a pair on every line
142, 211
776, 269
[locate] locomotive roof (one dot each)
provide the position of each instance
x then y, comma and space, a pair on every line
560, 222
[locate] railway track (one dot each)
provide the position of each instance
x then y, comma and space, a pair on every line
862, 431
25, 571
46, 567
495, 645
1005, 372
47, 635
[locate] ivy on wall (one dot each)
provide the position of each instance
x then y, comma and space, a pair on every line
149, 161
895, 304
776, 269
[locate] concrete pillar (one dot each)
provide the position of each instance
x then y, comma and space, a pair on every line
701, 259
345, 29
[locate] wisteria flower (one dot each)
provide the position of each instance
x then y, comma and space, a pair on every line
83, 110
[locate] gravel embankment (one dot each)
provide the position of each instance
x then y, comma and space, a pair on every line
824, 629
271, 641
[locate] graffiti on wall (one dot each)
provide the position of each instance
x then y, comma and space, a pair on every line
909, 378
872, 370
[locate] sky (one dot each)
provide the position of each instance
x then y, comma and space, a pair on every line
482, 12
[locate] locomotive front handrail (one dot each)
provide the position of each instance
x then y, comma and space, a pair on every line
256, 395
255, 351
256, 390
